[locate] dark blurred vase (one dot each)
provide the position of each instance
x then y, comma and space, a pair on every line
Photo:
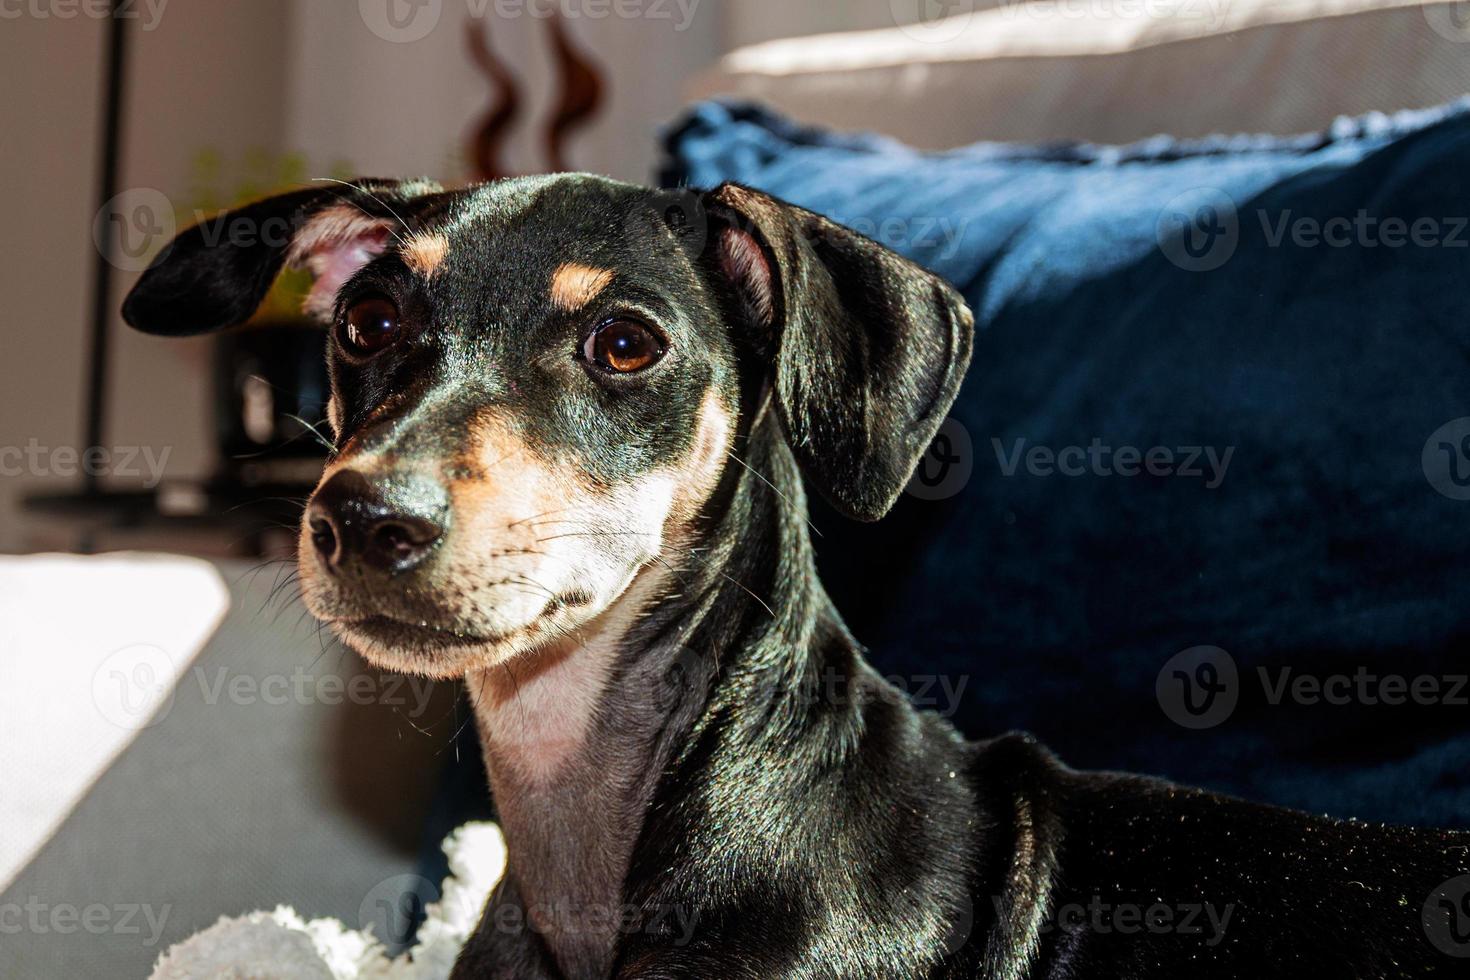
270, 391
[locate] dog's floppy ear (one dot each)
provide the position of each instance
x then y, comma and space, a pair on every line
216, 273
868, 349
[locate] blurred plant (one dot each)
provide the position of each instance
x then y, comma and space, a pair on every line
217, 183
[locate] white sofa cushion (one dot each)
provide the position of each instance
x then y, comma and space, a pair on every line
1113, 71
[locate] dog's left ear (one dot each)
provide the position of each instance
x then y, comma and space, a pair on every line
868, 349
216, 273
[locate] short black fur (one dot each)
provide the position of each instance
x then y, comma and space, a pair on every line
793, 808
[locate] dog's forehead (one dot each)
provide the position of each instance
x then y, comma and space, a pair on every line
566, 233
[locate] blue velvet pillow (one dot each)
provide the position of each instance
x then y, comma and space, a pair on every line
1203, 507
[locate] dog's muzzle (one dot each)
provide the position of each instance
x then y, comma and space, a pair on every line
389, 524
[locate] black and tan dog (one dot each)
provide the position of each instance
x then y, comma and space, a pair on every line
573, 418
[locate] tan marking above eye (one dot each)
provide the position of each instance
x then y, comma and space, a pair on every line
574, 285
424, 252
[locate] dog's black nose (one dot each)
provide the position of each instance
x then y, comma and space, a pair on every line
391, 523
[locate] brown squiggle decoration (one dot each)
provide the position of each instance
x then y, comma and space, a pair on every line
581, 94
485, 145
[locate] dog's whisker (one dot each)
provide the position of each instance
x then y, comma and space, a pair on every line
474, 713
282, 607
295, 501
326, 443
265, 603
535, 518
254, 571
363, 190
291, 577
597, 534
777, 490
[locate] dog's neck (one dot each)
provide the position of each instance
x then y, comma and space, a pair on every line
577, 738
568, 776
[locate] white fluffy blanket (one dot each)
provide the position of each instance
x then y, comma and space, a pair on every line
280, 945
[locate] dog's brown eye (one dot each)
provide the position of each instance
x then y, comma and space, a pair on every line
369, 325
623, 346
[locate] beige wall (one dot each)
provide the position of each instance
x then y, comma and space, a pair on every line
414, 110
207, 74
47, 163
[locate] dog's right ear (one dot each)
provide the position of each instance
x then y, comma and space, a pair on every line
866, 348
216, 273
